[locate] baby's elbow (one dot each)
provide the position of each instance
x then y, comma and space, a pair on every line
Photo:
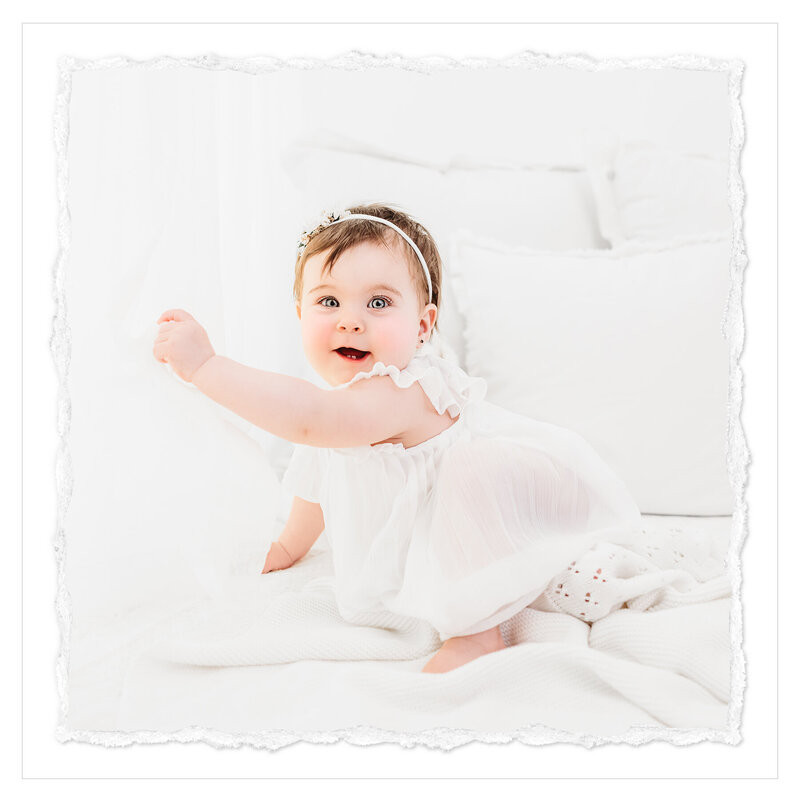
306, 425
304, 435
318, 435
342, 422
314, 433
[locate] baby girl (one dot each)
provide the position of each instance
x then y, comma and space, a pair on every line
438, 505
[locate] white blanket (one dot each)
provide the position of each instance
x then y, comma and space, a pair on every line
294, 670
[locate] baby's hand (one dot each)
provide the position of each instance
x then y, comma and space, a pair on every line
182, 343
277, 558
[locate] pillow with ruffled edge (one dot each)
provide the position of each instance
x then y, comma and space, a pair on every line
646, 192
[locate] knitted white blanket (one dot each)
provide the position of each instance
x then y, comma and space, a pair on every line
656, 654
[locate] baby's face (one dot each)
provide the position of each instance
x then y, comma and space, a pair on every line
366, 309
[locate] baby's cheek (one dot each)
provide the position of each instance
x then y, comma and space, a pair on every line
403, 338
315, 335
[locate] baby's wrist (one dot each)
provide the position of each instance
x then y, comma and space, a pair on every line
202, 367
283, 547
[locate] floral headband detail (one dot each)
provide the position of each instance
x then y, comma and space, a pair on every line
333, 218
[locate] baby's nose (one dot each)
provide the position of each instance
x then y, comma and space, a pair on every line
350, 324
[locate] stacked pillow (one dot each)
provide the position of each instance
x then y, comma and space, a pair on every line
553, 206
647, 192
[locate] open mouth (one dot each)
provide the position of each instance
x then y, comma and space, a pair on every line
352, 353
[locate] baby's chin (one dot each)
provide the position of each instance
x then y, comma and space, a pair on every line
346, 371
341, 368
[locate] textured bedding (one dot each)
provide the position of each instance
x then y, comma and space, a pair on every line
269, 656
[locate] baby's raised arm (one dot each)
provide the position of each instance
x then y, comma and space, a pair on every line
303, 528
296, 410
367, 412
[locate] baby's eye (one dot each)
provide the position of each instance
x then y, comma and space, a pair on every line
329, 302
379, 302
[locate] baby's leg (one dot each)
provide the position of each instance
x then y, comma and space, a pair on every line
461, 649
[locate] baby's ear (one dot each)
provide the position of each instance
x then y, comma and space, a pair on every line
428, 318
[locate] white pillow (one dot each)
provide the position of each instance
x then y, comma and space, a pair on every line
624, 347
546, 207
651, 193
550, 209
334, 179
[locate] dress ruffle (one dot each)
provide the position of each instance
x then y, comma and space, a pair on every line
447, 386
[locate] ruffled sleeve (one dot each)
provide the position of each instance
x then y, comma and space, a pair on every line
305, 474
447, 386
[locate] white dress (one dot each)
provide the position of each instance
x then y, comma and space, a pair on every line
467, 528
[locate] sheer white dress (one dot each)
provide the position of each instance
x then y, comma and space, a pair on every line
467, 528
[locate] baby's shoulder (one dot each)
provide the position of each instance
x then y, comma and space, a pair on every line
384, 389
417, 418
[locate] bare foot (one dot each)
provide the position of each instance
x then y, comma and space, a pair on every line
461, 649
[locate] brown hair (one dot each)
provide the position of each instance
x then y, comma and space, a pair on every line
339, 238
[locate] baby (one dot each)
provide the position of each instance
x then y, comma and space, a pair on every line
438, 505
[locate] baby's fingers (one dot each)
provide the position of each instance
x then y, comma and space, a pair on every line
176, 315
158, 352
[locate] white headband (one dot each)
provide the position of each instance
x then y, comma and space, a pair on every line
332, 219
